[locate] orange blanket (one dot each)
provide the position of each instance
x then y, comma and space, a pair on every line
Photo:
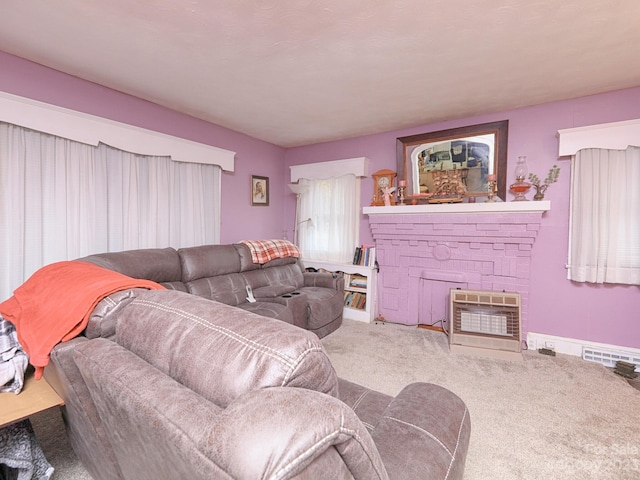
55, 304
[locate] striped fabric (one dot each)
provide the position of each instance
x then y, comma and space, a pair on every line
13, 360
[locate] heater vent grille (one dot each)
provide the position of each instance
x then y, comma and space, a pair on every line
485, 320
609, 358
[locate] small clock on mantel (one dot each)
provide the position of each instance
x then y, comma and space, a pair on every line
381, 180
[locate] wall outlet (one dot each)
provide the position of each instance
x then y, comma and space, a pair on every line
550, 344
531, 344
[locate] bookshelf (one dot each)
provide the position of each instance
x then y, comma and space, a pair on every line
359, 288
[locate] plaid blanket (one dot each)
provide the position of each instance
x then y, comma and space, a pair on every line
263, 251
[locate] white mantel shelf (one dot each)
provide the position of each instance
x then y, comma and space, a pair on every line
490, 207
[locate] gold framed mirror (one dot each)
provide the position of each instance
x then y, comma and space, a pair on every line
476, 151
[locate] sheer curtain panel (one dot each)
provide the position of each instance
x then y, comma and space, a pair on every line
60, 200
333, 206
604, 240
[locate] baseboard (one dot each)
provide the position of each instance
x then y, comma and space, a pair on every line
591, 351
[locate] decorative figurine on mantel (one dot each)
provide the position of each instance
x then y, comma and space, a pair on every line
491, 188
448, 186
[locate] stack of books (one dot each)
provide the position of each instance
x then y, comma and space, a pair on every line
365, 255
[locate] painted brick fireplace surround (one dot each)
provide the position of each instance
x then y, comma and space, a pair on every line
425, 250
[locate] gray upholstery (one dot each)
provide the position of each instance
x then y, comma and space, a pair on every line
161, 265
223, 272
190, 383
190, 388
230, 352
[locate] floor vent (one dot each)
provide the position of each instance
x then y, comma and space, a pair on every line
609, 358
485, 320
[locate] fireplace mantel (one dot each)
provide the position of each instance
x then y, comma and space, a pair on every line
490, 207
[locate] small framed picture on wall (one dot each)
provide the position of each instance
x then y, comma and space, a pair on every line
259, 190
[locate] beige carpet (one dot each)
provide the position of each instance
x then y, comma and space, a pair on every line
543, 418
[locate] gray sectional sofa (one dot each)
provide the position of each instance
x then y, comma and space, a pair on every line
281, 287
190, 388
170, 384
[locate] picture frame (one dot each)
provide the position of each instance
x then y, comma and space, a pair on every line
259, 191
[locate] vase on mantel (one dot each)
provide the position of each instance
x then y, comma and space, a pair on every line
540, 189
520, 188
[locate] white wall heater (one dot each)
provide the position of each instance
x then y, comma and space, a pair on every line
485, 322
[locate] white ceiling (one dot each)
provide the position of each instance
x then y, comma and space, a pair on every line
298, 72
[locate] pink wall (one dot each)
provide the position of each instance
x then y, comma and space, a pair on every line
239, 219
606, 314
598, 313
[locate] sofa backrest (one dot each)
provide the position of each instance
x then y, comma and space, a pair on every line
212, 271
161, 265
219, 351
208, 261
246, 262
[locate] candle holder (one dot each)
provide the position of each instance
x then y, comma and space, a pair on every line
401, 195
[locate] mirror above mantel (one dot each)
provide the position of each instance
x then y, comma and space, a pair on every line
473, 152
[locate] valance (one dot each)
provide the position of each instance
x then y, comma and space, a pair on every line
91, 130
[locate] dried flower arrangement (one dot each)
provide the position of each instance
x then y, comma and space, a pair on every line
552, 177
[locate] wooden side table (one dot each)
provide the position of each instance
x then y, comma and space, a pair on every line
36, 396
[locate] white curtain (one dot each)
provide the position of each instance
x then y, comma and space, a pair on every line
60, 200
604, 238
333, 205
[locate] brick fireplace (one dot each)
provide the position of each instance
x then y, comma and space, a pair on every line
425, 250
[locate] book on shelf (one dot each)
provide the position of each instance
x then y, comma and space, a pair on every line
365, 255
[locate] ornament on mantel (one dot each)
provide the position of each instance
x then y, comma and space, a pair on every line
520, 188
552, 177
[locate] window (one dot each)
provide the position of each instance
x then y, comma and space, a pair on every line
604, 224
330, 198
605, 216
333, 205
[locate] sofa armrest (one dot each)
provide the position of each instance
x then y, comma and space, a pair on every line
326, 280
424, 433
309, 435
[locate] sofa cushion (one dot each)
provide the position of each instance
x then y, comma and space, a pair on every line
272, 291
230, 289
219, 351
270, 309
290, 275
